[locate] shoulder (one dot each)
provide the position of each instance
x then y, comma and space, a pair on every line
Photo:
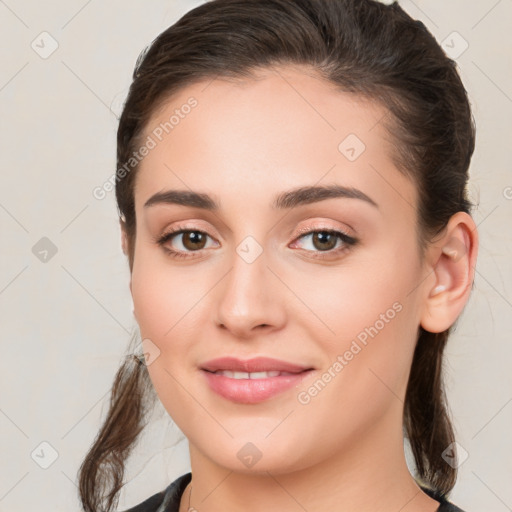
167, 500
445, 504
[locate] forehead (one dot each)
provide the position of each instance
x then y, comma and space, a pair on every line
282, 128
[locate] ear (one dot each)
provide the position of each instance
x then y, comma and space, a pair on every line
451, 260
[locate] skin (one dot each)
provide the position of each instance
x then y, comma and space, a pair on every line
244, 143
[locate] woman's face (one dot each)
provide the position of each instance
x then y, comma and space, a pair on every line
260, 275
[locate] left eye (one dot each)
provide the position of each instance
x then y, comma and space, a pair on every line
326, 240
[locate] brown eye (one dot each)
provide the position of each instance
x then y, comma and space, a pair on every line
324, 240
193, 240
182, 242
323, 243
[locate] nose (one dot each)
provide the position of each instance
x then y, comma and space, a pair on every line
250, 299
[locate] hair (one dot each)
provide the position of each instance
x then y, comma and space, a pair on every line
363, 47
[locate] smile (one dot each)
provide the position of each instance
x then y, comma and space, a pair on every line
252, 375
252, 387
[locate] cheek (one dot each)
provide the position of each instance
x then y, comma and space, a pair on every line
151, 303
164, 309
342, 302
164, 298
367, 321
364, 377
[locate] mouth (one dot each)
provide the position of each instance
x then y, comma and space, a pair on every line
252, 381
251, 375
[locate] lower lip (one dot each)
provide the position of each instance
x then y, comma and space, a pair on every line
252, 391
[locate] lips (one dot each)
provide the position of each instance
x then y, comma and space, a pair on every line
257, 364
252, 381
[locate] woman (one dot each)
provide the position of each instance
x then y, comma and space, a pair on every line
291, 189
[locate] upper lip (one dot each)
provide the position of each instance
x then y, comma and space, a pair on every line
257, 364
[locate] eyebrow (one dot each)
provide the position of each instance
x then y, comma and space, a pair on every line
285, 200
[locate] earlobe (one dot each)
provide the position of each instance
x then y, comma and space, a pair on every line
453, 259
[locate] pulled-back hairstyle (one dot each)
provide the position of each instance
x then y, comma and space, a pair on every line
363, 47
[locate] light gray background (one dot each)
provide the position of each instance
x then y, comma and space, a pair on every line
66, 322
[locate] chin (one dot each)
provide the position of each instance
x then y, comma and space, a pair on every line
258, 458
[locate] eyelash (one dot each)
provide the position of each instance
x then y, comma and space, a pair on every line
348, 241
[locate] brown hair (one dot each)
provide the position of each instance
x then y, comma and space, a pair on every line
363, 47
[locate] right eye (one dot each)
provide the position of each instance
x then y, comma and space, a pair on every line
192, 240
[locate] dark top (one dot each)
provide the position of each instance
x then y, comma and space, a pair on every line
168, 500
